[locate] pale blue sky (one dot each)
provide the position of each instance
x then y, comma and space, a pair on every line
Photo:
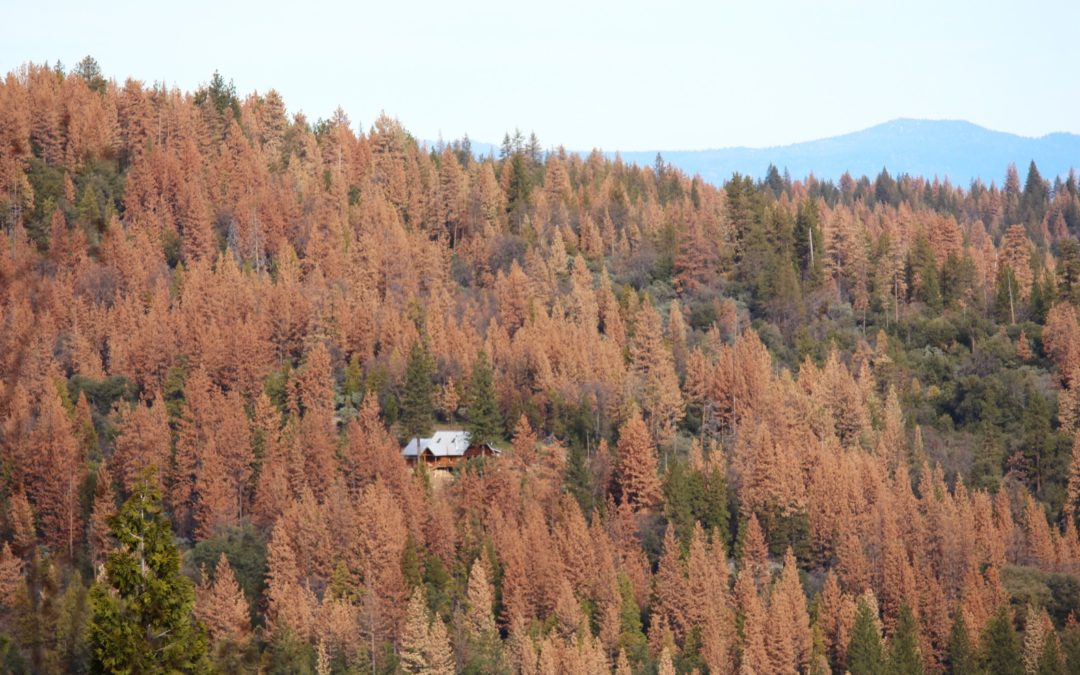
617, 75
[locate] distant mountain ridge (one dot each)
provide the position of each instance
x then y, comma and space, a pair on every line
956, 149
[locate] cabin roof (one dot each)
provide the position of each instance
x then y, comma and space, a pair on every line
443, 444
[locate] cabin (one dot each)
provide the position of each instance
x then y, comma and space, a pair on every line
446, 449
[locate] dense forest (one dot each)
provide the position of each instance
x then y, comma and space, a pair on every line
773, 426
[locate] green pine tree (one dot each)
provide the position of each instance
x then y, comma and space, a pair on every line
1035, 197
411, 567
1070, 648
484, 420
89, 210
688, 659
904, 657
631, 637
986, 463
141, 610
715, 514
923, 274
1007, 297
1001, 653
578, 478
417, 406
1043, 296
1050, 661
1068, 270
864, 655
71, 626
89, 70
693, 496
809, 244
745, 213
962, 660
684, 489
819, 659
957, 278
519, 190
289, 655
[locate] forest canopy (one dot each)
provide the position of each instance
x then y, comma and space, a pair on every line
786, 425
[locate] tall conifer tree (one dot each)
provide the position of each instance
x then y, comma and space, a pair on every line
485, 422
1001, 652
864, 655
141, 610
904, 657
961, 653
417, 406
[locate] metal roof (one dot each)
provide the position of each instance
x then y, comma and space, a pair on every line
442, 444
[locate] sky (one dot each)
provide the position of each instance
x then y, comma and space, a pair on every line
625, 75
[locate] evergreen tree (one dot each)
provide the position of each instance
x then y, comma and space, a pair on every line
1007, 296
1068, 270
221, 94
1039, 301
288, 655
695, 494
578, 478
809, 245
417, 406
961, 653
745, 215
1070, 646
886, 190
1035, 196
781, 293
1050, 661
773, 181
142, 618
923, 274
904, 657
484, 420
864, 655
819, 661
519, 189
89, 70
986, 464
957, 278
631, 641
1001, 653
411, 564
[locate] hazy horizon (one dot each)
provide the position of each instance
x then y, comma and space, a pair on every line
496, 142
596, 75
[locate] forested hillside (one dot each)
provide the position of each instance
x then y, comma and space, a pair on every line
769, 427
